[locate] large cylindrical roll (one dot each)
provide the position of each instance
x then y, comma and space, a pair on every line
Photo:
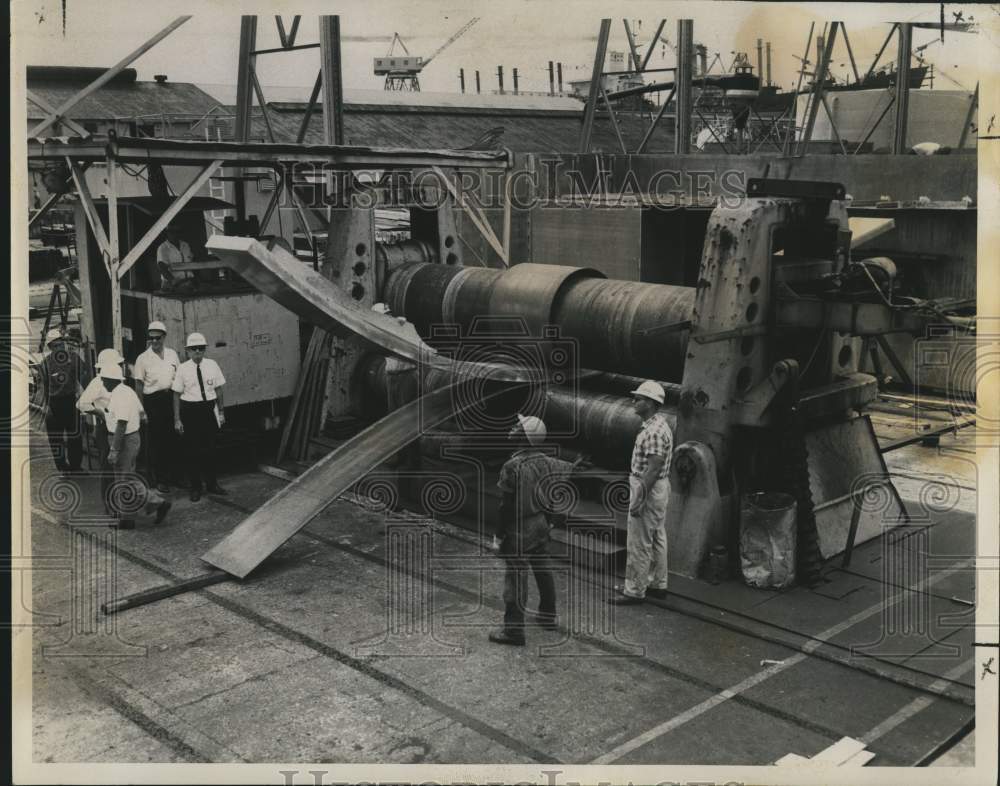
627, 326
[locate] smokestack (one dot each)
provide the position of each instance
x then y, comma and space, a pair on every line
477, 82
760, 59
559, 76
515, 81
767, 51
500, 78
552, 79
461, 78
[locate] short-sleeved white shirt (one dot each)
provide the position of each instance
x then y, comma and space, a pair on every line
186, 380
95, 396
156, 373
171, 255
124, 405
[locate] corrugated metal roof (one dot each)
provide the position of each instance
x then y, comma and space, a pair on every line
136, 99
524, 131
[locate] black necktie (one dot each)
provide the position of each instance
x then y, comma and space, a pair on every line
201, 382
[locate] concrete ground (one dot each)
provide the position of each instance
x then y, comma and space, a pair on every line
363, 639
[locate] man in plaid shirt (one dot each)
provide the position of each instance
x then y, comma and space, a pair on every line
649, 492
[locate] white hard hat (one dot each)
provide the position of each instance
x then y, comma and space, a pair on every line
380, 308
53, 335
157, 325
112, 371
651, 390
534, 429
108, 357
196, 340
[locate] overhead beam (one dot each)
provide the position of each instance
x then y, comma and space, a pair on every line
202, 153
106, 77
164, 220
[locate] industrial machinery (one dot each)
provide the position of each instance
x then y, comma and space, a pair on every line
402, 72
759, 360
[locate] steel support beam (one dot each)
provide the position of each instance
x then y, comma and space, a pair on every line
659, 115
113, 255
90, 211
590, 110
818, 88
652, 45
45, 106
244, 101
902, 88
310, 107
332, 87
684, 86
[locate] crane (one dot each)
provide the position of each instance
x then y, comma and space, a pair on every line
402, 71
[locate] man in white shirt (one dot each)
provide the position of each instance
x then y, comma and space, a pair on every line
123, 416
154, 373
93, 404
199, 413
172, 251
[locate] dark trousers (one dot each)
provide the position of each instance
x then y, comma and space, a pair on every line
103, 441
515, 586
65, 437
200, 427
162, 437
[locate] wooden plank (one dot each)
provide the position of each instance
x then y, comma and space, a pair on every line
791, 759
294, 506
90, 211
840, 751
106, 77
168, 215
864, 228
45, 106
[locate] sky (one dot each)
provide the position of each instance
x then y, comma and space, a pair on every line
525, 34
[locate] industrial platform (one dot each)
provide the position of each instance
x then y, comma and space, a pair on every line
306, 660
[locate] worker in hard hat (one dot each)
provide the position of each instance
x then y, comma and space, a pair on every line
93, 404
199, 413
123, 416
63, 377
649, 492
526, 480
154, 373
171, 252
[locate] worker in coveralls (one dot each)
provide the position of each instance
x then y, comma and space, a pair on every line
199, 413
154, 376
123, 416
524, 528
93, 404
649, 492
63, 377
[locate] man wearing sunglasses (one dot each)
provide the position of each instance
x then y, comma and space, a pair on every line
199, 412
154, 375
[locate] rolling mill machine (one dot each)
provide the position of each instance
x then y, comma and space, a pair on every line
759, 361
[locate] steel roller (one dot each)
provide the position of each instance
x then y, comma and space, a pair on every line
627, 327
